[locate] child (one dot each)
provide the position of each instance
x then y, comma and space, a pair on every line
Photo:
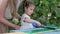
26, 21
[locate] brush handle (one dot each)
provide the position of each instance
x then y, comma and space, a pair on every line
34, 24
42, 26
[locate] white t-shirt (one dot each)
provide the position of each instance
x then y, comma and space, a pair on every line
7, 12
25, 25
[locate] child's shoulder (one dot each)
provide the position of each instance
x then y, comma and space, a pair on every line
25, 15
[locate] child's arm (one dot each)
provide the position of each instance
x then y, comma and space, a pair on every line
31, 21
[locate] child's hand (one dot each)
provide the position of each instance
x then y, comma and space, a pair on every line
35, 24
39, 23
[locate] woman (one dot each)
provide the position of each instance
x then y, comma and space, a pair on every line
12, 7
6, 6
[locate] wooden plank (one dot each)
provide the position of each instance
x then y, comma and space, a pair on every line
14, 33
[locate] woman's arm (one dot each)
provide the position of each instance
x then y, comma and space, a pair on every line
3, 4
2, 19
6, 22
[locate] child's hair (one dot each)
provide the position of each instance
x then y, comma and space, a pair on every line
27, 4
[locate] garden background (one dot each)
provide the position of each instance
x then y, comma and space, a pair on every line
46, 11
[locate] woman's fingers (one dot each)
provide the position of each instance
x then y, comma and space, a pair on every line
17, 27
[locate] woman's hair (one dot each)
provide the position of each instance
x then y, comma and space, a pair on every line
27, 4
13, 7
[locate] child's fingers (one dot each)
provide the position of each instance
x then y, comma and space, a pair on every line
39, 23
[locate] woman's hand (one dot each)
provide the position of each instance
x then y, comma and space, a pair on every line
17, 27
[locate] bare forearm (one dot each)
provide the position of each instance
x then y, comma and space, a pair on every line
31, 21
4, 21
28, 20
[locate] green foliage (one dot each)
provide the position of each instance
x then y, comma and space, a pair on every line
42, 9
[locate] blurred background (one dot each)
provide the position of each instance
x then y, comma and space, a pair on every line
46, 11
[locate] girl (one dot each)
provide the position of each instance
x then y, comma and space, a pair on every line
26, 21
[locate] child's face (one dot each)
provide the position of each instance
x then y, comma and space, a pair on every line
30, 9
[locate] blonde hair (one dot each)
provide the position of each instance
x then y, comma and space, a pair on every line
13, 7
